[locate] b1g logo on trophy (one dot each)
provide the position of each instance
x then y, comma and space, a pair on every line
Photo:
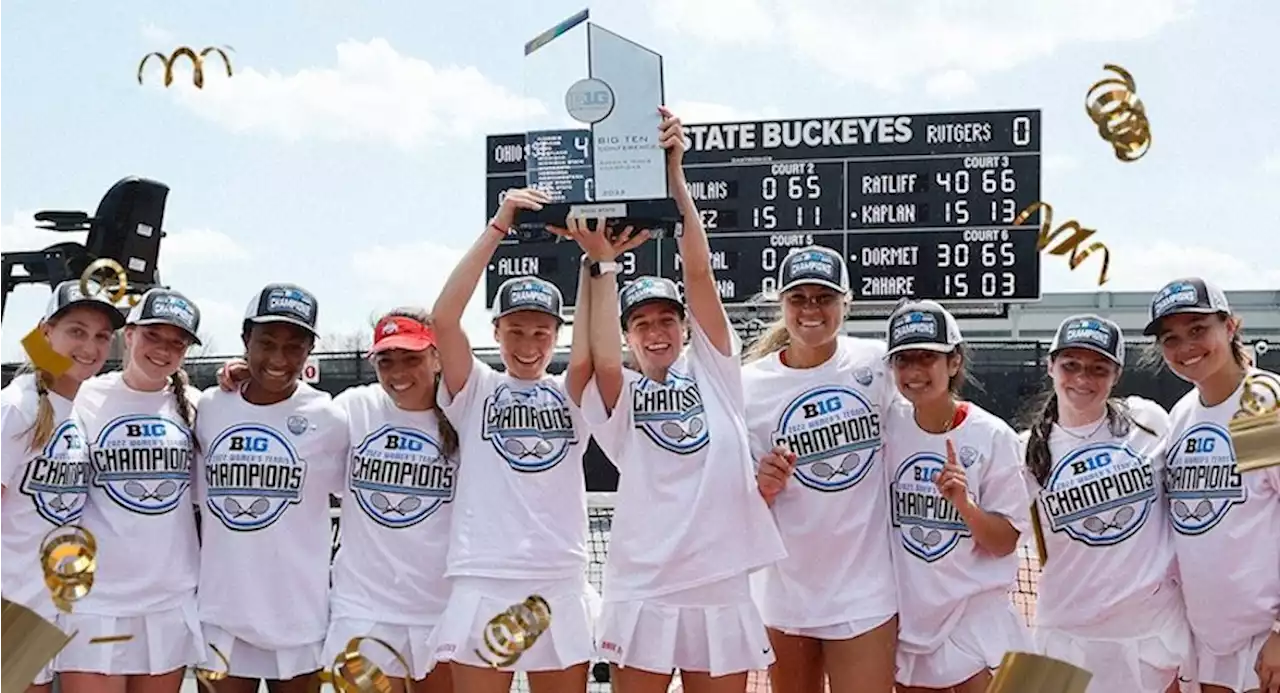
614, 169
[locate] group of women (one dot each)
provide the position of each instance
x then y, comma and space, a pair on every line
823, 506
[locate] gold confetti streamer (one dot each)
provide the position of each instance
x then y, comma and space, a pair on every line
68, 556
41, 353
197, 63
1113, 105
511, 633
206, 677
1255, 429
105, 639
353, 672
1070, 246
117, 290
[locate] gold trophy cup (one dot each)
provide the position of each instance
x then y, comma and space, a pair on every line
28, 644
1255, 429
1023, 672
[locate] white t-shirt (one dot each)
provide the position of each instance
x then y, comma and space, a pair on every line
139, 508
44, 489
266, 474
521, 512
397, 510
688, 511
1225, 525
1103, 514
939, 566
834, 512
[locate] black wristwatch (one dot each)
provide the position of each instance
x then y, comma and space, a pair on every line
599, 268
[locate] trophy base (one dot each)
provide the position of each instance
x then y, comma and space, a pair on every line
659, 216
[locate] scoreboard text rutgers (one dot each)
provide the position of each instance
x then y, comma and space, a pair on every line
920, 205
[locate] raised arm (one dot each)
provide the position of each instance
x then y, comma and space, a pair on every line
451, 341
578, 374
700, 292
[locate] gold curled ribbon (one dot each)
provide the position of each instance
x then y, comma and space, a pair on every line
68, 556
353, 672
1251, 403
118, 290
206, 677
511, 633
1070, 246
1113, 105
42, 354
105, 639
197, 63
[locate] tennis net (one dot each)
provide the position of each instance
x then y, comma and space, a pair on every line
600, 520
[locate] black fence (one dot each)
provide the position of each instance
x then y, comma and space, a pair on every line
1008, 376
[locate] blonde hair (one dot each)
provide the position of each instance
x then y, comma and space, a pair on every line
775, 338
41, 429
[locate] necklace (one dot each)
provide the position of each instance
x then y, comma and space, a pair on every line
1077, 436
951, 420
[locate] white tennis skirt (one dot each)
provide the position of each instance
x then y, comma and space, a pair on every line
252, 662
1147, 664
845, 630
161, 642
1236, 670
988, 628
714, 628
569, 641
411, 642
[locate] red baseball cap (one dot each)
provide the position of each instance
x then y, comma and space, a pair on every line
399, 332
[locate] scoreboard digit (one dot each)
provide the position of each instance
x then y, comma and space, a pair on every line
919, 205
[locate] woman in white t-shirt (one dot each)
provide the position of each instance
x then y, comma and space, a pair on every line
959, 507
271, 455
43, 485
1107, 598
137, 426
400, 479
520, 513
1226, 524
817, 406
690, 524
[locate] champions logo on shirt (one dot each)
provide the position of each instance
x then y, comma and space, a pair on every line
252, 473
929, 524
143, 463
400, 477
671, 413
834, 434
1202, 482
56, 478
1099, 494
531, 429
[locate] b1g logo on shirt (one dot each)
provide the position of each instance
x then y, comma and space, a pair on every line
835, 435
1202, 482
531, 429
671, 414
1099, 494
143, 463
56, 479
930, 526
400, 476
253, 474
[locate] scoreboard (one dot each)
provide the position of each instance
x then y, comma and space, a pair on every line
919, 205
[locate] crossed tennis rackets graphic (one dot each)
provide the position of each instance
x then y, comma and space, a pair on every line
1097, 525
825, 470
138, 491
1202, 510
517, 447
929, 540
679, 432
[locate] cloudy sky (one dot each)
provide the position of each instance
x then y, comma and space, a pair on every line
346, 154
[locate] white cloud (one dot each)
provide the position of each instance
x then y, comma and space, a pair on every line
951, 84
707, 112
389, 276
1060, 162
373, 93
1272, 163
1148, 266
199, 247
158, 36
890, 43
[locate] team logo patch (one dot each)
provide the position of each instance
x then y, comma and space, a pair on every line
1202, 482
400, 476
143, 463
1099, 494
928, 524
530, 428
835, 435
56, 479
863, 376
253, 474
671, 413
298, 425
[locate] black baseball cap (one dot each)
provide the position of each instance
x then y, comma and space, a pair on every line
1091, 332
1188, 295
284, 303
646, 290
67, 295
528, 293
167, 307
814, 264
923, 325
